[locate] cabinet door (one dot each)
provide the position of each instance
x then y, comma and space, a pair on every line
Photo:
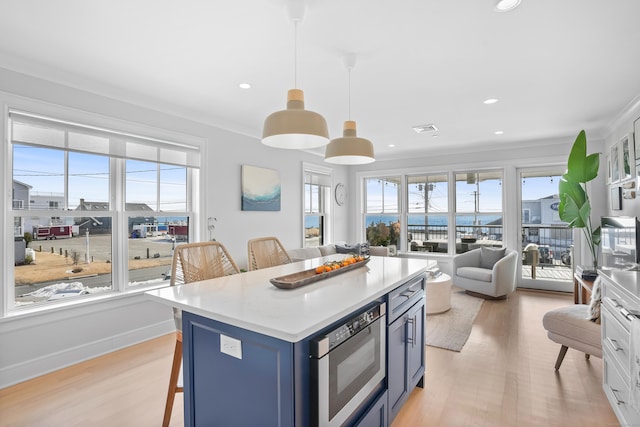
252, 387
397, 378
377, 415
415, 344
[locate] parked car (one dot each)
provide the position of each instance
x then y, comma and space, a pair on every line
545, 254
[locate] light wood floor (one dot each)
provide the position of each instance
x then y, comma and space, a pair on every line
503, 376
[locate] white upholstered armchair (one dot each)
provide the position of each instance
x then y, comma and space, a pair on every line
486, 271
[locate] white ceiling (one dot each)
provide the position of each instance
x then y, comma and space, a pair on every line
556, 66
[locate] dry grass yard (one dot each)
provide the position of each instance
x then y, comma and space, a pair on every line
54, 266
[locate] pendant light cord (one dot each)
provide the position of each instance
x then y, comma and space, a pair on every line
349, 90
295, 54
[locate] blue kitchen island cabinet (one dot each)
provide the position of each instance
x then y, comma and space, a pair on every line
253, 386
247, 344
405, 342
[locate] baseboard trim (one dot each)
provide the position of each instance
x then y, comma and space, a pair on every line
45, 364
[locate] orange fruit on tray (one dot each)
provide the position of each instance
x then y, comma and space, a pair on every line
320, 269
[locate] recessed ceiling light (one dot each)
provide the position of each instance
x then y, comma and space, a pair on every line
498, 132
392, 145
490, 101
425, 128
507, 5
245, 85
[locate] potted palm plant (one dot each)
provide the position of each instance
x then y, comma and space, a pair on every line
575, 208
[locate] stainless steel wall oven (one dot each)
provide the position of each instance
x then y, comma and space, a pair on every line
348, 366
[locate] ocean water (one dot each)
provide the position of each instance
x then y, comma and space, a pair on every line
435, 219
463, 220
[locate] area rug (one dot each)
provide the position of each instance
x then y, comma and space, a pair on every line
451, 329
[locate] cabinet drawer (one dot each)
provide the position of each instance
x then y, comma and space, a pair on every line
619, 303
616, 337
617, 391
404, 296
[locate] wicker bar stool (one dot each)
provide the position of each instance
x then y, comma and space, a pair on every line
266, 252
192, 262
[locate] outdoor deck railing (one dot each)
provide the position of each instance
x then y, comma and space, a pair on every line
556, 240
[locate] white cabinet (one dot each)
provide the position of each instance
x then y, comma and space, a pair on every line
620, 299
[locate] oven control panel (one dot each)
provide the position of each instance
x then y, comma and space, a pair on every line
325, 343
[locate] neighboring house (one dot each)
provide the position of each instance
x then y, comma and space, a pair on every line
43, 201
541, 211
541, 224
20, 199
96, 224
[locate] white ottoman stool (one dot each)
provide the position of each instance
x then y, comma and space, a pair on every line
438, 293
570, 327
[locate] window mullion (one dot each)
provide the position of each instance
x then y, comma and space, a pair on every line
119, 247
65, 200
158, 203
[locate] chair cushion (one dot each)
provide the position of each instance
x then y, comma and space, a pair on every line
327, 250
475, 273
304, 253
489, 256
573, 322
358, 249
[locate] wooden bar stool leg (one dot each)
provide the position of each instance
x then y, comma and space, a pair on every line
173, 380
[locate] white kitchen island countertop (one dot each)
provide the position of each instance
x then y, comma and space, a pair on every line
249, 300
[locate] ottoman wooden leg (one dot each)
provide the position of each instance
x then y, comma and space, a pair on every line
563, 351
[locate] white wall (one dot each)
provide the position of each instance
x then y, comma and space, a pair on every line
31, 345
621, 127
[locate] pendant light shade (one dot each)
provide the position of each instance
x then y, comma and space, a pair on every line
350, 149
295, 127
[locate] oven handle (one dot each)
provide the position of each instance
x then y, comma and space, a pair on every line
320, 346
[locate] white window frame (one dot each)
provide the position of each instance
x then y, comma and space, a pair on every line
427, 213
325, 175
155, 136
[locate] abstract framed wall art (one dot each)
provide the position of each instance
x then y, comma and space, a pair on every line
626, 162
636, 137
260, 189
615, 163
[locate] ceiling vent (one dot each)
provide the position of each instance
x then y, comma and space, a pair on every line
425, 128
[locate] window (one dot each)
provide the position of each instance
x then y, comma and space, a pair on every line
427, 213
91, 190
478, 210
382, 210
317, 197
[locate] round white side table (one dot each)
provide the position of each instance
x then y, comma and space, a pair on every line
438, 294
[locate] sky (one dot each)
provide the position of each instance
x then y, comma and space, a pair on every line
88, 178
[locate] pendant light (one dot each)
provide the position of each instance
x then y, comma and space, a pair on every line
295, 127
349, 149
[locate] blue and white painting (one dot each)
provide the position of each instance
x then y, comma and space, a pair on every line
260, 189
